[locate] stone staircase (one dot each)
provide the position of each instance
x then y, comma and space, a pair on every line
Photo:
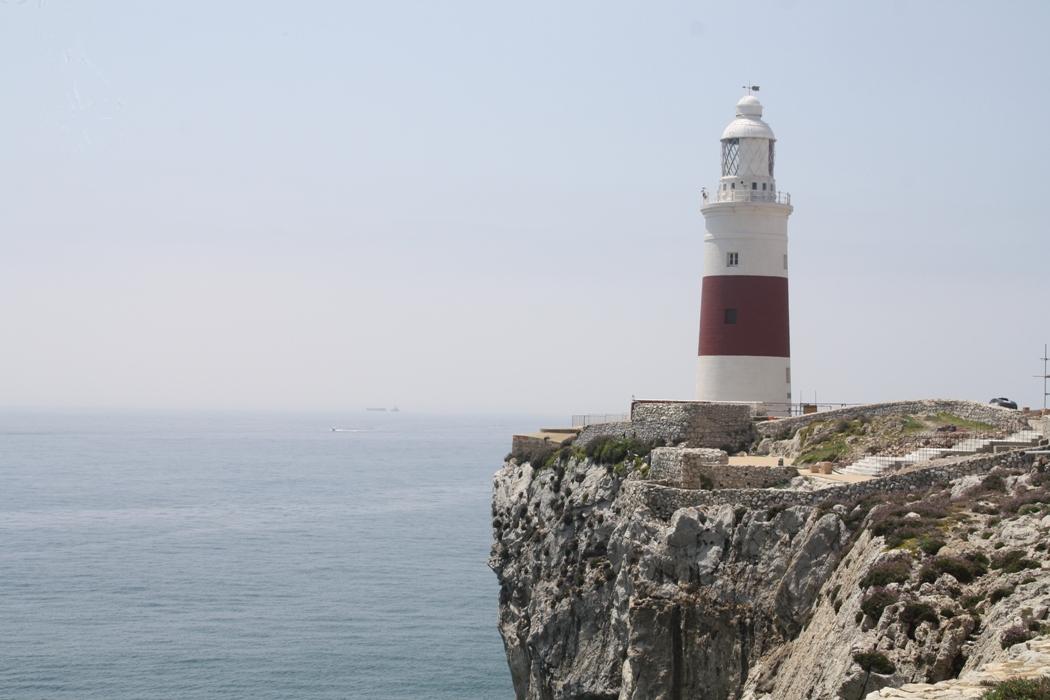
874, 465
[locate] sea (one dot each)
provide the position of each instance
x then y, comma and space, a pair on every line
262, 555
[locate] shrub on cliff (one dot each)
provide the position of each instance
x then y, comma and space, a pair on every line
916, 522
1015, 634
876, 600
916, 612
536, 455
874, 662
1020, 689
613, 450
998, 593
887, 572
964, 569
1012, 561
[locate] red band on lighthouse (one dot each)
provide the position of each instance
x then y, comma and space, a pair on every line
759, 309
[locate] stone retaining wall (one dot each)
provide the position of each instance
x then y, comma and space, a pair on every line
1003, 418
528, 443
665, 500
685, 468
721, 426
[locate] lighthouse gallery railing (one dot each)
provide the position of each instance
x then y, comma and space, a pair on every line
743, 195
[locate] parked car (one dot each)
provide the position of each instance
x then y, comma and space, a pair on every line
1004, 402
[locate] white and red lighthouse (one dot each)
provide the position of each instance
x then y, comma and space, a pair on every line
744, 339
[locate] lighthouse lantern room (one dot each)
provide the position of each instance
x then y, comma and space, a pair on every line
744, 350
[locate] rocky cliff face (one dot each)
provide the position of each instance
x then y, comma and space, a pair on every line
600, 598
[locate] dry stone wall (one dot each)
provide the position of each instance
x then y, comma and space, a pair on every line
688, 468
663, 501
1003, 418
692, 423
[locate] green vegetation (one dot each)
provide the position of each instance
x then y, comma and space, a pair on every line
1012, 561
887, 572
900, 527
1020, 689
876, 600
614, 450
999, 593
874, 662
964, 569
944, 418
1015, 634
914, 613
829, 450
993, 482
912, 425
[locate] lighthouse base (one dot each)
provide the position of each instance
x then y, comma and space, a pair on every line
746, 378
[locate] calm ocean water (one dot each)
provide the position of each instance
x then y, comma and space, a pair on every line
249, 556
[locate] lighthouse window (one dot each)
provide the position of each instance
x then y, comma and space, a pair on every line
730, 315
730, 157
785, 261
732, 259
754, 185
763, 187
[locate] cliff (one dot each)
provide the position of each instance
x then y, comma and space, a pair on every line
614, 585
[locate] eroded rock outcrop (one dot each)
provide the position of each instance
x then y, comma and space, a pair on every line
603, 597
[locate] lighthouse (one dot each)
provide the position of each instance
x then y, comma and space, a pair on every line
745, 351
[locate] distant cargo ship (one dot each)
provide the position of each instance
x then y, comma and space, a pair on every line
382, 409
376, 409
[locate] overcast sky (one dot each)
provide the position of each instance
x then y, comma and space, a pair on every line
474, 206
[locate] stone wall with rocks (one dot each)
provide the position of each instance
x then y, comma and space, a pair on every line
528, 443
663, 501
691, 423
1002, 418
1043, 426
688, 468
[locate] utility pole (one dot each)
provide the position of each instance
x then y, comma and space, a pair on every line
1044, 376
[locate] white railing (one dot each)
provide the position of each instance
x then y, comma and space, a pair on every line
743, 195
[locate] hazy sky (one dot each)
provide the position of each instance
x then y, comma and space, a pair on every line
494, 206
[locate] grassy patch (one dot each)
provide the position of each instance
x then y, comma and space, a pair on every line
945, 418
612, 450
829, 450
1020, 689
911, 424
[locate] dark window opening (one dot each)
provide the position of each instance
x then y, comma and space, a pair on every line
730, 157
730, 315
754, 185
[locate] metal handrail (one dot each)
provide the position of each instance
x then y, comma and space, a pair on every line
743, 195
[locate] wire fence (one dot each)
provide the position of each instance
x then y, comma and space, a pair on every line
585, 419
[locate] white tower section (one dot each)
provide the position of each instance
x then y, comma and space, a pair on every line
744, 352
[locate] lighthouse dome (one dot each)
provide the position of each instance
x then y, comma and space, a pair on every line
748, 123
